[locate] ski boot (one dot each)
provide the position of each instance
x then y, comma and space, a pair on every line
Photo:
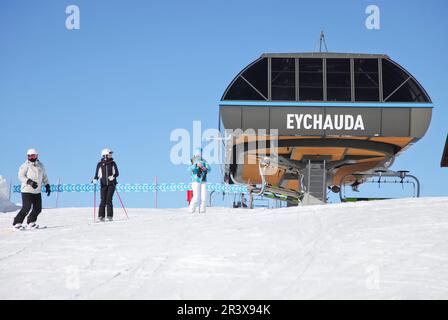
110, 219
18, 227
100, 219
32, 226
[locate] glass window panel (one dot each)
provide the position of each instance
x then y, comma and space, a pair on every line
393, 77
409, 92
283, 79
310, 79
257, 75
338, 80
241, 90
366, 80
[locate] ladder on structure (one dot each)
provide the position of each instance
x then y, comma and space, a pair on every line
315, 182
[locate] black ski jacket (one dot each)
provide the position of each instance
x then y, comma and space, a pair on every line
105, 169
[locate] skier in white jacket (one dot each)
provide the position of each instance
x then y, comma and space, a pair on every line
33, 176
199, 169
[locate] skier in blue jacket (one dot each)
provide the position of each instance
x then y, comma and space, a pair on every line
199, 169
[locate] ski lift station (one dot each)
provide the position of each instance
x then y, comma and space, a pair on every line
444, 161
306, 124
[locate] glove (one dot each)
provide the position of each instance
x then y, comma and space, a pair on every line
32, 183
94, 181
111, 178
47, 189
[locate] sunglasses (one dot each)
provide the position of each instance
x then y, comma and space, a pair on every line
32, 156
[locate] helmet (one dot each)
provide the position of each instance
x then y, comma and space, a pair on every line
32, 151
32, 155
106, 151
197, 152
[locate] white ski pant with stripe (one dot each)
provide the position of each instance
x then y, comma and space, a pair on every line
199, 191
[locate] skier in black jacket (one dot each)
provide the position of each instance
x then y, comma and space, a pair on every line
107, 173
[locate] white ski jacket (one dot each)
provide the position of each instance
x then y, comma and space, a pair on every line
34, 171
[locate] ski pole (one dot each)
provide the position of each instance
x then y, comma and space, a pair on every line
94, 202
10, 189
57, 193
155, 194
122, 205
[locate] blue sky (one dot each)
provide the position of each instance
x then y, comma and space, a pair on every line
136, 70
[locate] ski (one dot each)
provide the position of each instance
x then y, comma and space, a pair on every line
31, 229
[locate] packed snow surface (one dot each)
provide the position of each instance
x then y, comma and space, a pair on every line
394, 249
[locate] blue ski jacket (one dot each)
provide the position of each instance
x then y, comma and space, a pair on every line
197, 174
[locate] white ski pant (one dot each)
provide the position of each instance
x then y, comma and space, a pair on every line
199, 189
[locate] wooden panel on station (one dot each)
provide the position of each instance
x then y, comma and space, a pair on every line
335, 153
398, 141
362, 152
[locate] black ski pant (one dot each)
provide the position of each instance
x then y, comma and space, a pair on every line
107, 193
29, 200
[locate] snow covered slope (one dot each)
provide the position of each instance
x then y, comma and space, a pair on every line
391, 249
